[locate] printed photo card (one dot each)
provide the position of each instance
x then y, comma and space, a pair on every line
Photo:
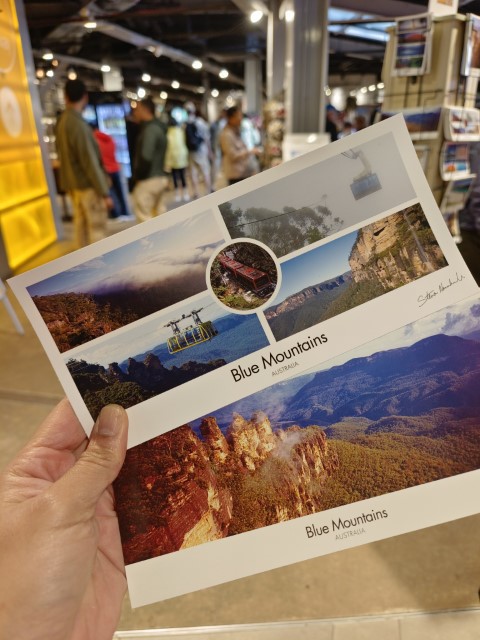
281, 346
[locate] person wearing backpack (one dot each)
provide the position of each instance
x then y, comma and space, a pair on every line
197, 136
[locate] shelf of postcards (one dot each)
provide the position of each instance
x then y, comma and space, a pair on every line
442, 137
431, 71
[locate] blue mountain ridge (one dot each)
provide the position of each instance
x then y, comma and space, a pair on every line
438, 371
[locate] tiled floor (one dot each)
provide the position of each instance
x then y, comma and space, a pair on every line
431, 570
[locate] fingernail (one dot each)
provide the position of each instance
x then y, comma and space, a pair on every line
110, 420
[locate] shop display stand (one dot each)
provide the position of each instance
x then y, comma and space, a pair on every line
443, 87
274, 127
408, 626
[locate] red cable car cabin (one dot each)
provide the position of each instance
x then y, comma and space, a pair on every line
254, 279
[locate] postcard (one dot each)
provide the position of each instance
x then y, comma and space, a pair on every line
455, 160
229, 296
456, 194
380, 441
422, 123
461, 124
471, 47
413, 41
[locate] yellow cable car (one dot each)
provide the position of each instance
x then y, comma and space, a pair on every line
191, 335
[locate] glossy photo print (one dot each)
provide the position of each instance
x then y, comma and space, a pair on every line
163, 352
353, 270
342, 434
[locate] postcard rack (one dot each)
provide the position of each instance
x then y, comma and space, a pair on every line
437, 98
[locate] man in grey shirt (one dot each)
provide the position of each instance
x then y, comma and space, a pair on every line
82, 175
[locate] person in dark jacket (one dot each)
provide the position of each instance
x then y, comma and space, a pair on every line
82, 175
149, 176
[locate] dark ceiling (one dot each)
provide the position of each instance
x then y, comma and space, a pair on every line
217, 32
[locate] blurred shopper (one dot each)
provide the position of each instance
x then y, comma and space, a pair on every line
215, 131
197, 136
81, 171
106, 144
149, 175
249, 133
359, 122
347, 129
331, 122
239, 162
176, 159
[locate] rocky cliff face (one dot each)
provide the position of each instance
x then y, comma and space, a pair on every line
177, 491
396, 250
169, 497
298, 299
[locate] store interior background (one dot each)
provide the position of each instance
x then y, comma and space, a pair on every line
140, 47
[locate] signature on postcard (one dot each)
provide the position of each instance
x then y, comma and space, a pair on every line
432, 293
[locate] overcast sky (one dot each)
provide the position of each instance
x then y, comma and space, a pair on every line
165, 253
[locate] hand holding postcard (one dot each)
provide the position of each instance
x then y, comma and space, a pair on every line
200, 317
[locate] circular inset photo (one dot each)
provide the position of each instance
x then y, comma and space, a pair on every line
244, 275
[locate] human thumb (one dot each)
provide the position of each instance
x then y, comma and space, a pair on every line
98, 466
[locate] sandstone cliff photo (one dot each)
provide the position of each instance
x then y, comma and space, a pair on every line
354, 269
127, 283
396, 413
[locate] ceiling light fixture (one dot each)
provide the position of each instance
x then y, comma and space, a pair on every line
163, 95
215, 93
146, 77
201, 90
141, 92
197, 64
48, 55
256, 16
105, 68
289, 15
223, 74
364, 89
175, 84
380, 85
50, 73
72, 75
90, 24
54, 63
40, 73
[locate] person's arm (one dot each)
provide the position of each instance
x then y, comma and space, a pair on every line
61, 564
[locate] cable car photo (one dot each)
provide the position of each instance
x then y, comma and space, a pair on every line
190, 335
